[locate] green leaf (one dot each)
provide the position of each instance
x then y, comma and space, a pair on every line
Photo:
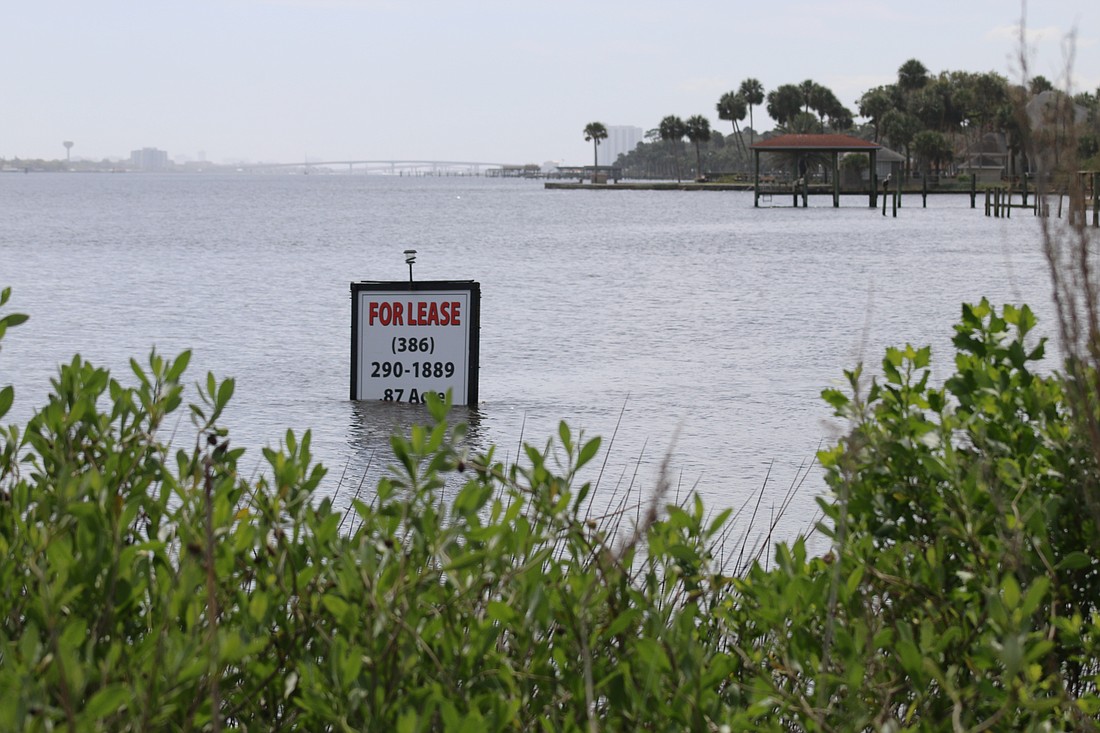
651, 656
1073, 561
622, 621
911, 659
257, 606
407, 723
566, 438
179, 366
106, 702
854, 580
1035, 594
501, 612
225, 392
139, 372
1010, 591
335, 605
7, 396
588, 452
836, 398
466, 560
13, 319
719, 521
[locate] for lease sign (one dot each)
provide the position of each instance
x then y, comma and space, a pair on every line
412, 339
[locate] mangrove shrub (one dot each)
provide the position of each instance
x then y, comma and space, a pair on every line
149, 586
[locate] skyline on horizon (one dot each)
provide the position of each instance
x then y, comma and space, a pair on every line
493, 82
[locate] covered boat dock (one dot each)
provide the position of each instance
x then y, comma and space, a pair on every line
802, 146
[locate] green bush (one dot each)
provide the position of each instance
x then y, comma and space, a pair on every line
146, 588
962, 590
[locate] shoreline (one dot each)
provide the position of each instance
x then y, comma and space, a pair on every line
773, 190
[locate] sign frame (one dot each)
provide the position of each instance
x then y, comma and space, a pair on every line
404, 289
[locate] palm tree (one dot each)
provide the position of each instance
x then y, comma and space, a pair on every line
752, 91
900, 127
697, 129
784, 102
595, 131
673, 130
874, 105
825, 103
912, 75
1039, 84
732, 107
931, 148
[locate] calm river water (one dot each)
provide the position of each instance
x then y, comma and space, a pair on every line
709, 325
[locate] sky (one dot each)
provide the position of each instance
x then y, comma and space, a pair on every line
494, 81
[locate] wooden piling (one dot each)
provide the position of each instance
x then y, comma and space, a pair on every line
836, 181
1096, 199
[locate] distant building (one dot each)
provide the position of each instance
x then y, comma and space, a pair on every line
149, 159
620, 139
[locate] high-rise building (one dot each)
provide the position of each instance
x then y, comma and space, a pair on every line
620, 139
149, 159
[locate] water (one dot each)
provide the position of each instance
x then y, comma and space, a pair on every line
709, 326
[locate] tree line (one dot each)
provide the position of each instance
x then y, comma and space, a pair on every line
939, 122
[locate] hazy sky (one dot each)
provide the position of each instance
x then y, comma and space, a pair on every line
508, 81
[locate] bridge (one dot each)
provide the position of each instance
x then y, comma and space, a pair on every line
387, 167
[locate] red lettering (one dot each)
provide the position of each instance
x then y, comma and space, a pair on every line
414, 313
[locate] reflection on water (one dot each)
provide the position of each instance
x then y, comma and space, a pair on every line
371, 423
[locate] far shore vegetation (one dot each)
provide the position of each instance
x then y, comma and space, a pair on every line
945, 124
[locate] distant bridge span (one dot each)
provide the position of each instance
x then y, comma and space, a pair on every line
383, 166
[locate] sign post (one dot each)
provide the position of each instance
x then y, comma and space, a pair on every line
412, 338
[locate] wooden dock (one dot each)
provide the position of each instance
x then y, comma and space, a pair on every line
1082, 201
651, 186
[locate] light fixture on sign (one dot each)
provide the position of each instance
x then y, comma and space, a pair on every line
410, 258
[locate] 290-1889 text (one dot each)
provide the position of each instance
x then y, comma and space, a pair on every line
418, 369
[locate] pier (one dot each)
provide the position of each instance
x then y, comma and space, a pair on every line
1081, 200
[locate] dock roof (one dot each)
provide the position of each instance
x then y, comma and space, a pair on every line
832, 142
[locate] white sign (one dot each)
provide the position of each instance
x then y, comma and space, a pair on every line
411, 342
